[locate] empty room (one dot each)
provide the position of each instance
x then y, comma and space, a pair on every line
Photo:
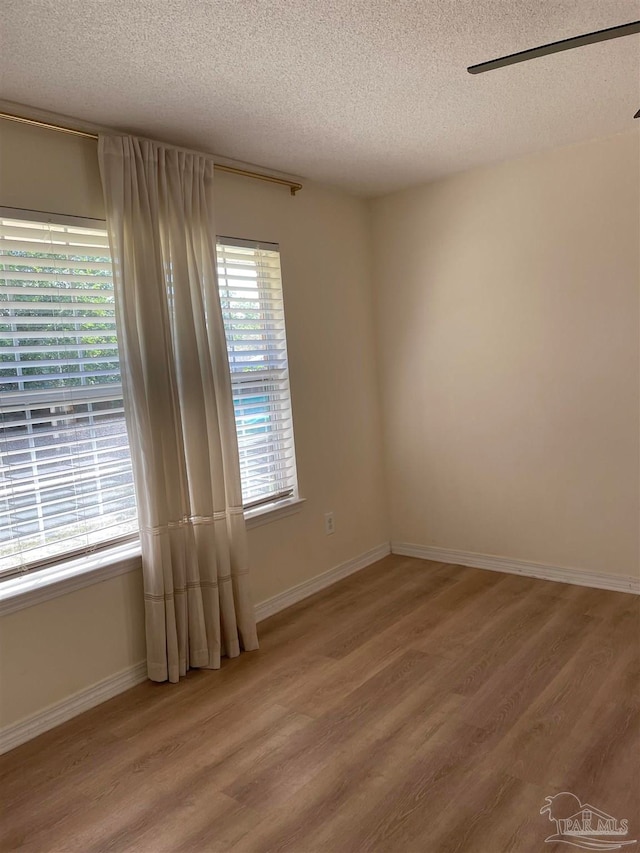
319, 426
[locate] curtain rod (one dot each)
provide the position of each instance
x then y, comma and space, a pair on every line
293, 186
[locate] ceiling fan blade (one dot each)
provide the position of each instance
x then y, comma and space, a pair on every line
556, 47
637, 115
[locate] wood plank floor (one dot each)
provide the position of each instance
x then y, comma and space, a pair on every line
414, 706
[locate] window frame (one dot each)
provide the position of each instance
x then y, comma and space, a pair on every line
291, 492
45, 579
73, 555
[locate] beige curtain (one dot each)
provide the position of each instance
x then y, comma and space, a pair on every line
178, 404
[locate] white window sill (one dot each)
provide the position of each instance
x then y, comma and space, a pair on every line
272, 512
36, 587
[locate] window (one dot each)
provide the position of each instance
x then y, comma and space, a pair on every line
66, 483
253, 312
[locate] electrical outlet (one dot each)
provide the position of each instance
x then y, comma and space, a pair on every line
329, 523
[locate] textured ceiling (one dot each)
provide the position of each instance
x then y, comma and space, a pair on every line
372, 95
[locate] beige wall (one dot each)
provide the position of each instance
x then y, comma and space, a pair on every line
507, 303
507, 347
57, 648
48, 171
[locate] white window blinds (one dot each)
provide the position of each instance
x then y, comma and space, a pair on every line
66, 484
253, 312
65, 472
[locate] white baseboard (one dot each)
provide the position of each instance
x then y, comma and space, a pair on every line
24, 730
303, 590
580, 577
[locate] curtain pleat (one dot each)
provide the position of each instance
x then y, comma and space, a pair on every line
178, 404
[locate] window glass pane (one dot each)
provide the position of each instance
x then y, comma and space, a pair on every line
65, 471
253, 313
